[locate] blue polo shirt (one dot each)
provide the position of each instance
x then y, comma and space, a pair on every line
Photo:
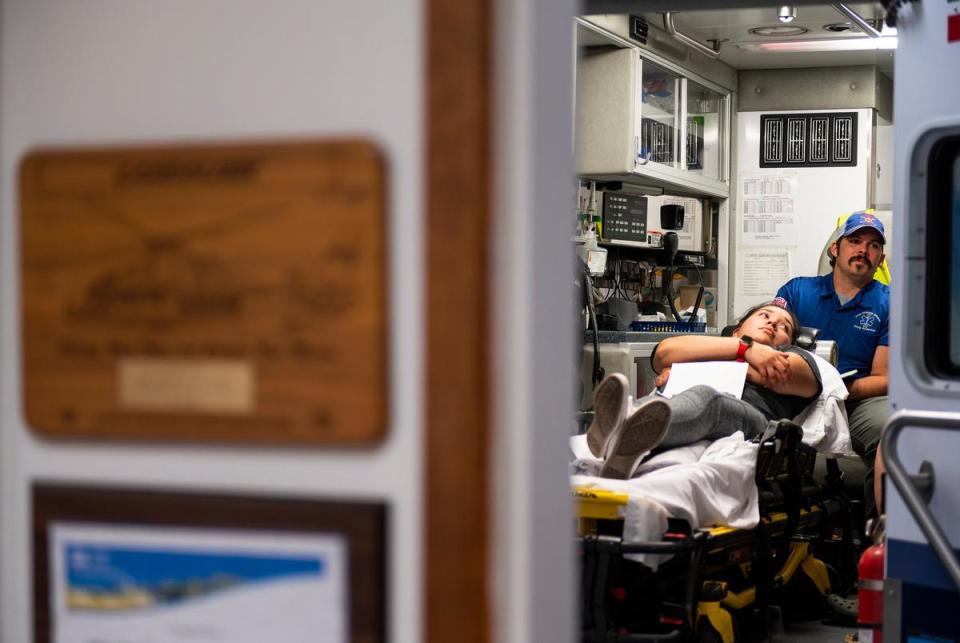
858, 326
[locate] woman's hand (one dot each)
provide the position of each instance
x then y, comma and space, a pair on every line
754, 377
662, 377
772, 365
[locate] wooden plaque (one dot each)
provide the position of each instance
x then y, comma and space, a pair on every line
362, 525
232, 292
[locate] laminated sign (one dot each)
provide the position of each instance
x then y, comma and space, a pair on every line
231, 292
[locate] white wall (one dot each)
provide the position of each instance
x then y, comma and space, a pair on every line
820, 195
110, 71
883, 194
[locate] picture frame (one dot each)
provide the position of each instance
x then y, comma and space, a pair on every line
157, 524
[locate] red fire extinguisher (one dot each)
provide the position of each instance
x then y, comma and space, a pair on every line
870, 615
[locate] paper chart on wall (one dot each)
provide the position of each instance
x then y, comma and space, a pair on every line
767, 209
762, 272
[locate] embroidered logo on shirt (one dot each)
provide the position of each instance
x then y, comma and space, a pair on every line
867, 321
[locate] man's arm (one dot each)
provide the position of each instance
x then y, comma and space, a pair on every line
875, 383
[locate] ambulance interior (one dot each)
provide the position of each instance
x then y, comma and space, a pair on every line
717, 152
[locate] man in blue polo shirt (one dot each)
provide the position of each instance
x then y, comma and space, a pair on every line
853, 309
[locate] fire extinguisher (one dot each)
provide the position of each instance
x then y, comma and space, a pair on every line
870, 614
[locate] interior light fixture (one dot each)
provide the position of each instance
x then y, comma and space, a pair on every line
786, 13
778, 31
823, 44
838, 27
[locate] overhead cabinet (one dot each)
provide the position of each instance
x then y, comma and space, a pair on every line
640, 119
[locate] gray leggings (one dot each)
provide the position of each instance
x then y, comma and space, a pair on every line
701, 413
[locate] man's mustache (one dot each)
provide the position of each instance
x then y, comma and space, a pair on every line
862, 257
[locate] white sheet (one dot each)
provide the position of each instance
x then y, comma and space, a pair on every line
705, 483
824, 421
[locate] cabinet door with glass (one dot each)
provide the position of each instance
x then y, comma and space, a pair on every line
682, 125
660, 107
706, 125
639, 116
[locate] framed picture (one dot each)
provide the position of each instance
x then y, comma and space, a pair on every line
150, 566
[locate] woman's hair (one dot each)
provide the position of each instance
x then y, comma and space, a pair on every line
793, 318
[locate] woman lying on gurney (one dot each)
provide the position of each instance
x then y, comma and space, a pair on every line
781, 381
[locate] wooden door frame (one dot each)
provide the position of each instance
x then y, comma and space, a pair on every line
457, 406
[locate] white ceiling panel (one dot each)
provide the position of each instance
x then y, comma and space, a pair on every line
731, 27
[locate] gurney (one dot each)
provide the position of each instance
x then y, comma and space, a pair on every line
735, 541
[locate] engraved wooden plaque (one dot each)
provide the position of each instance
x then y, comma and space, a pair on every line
223, 293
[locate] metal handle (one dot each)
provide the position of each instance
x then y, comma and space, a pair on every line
857, 19
685, 39
615, 545
907, 484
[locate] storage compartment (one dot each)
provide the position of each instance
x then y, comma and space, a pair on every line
643, 119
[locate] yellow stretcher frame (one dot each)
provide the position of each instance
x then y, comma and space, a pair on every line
782, 460
598, 504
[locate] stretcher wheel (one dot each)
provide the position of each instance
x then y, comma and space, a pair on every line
839, 583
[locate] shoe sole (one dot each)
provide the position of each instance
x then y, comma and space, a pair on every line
642, 431
609, 409
843, 607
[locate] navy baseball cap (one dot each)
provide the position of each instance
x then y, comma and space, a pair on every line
862, 219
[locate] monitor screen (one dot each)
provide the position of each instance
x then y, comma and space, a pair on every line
942, 309
954, 263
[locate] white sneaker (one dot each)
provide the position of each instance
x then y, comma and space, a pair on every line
639, 433
611, 400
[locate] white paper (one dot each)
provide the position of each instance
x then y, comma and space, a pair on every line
762, 272
767, 208
726, 377
132, 584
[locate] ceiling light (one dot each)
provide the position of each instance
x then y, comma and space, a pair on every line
862, 43
786, 13
778, 31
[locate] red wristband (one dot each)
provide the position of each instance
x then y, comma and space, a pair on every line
742, 351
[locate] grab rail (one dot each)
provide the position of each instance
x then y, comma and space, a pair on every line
913, 488
684, 38
858, 20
